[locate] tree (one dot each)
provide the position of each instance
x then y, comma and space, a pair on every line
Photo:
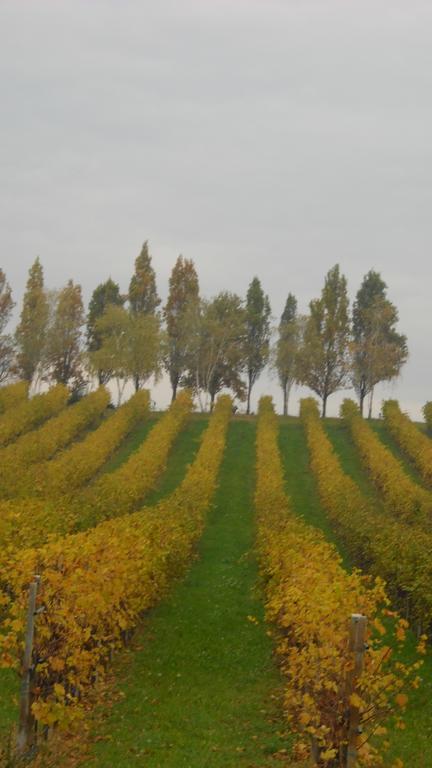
378, 350
105, 295
323, 361
143, 304
143, 297
287, 348
143, 348
181, 313
110, 355
31, 331
218, 358
63, 350
257, 342
130, 347
7, 348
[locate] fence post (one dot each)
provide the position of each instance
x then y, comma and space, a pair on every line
25, 734
357, 646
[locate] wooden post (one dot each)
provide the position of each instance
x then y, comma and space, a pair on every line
357, 646
25, 725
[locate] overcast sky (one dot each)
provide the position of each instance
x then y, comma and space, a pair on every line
269, 138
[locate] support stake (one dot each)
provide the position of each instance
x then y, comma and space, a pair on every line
26, 735
357, 646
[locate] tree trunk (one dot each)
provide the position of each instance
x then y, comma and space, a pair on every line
361, 402
371, 403
212, 399
324, 406
174, 385
249, 395
285, 402
136, 382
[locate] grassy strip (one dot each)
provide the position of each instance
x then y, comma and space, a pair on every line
199, 688
129, 445
300, 482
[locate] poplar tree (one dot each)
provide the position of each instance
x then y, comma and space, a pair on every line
378, 350
287, 348
7, 350
145, 319
257, 342
143, 296
181, 314
63, 353
104, 295
31, 331
323, 361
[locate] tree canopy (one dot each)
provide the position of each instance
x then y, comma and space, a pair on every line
323, 362
31, 331
258, 333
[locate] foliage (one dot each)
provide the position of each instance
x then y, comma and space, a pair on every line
378, 351
31, 413
143, 297
105, 295
31, 332
427, 412
63, 349
381, 544
96, 585
7, 346
181, 314
258, 332
75, 466
416, 445
44, 442
130, 347
310, 597
402, 496
13, 395
120, 491
323, 362
30, 521
218, 354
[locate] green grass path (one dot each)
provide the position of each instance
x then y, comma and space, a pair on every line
200, 686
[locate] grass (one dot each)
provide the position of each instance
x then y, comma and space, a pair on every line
130, 444
201, 687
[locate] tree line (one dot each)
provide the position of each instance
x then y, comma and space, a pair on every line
206, 344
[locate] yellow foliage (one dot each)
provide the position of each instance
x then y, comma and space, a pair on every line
409, 438
30, 522
13, 395
30, 413
385, 546
96, 585
402, 496
44, 442
119, 492
75, 466
311, 597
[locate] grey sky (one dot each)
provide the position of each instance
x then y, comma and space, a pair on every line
270, 138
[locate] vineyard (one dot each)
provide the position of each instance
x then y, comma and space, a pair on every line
187, 589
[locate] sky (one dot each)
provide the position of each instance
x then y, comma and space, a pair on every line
256, 137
